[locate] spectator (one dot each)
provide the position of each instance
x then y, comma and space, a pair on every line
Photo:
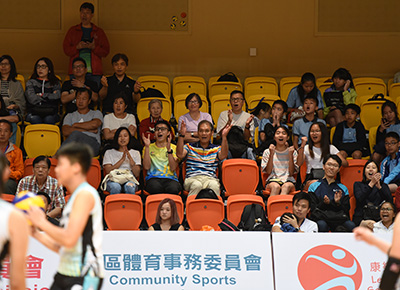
350, 135
78, 80
147, 126
83, 125
87, 41
390, 166
302, 126
390, 123
369, 193
387, 214
296, 96
280, 163
202, 158
122, 156
167, 218
300, 222
42, 181
14, 156
334, 108
47, 206
261, 111
332, 203
12, 117
43, 94
193, 118
160, 161
117, 83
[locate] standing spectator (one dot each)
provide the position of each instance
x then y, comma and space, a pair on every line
78, 80
43, 93
41, 181
87, 41
83, 125
118, 83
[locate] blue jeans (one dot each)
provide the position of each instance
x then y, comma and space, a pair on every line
324, 227
36, 119
115, 188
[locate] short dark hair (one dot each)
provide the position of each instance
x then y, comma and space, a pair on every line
42, 158
334, 157
121, 95
6, 122
76, 59
205, 122
282, 103
392, 134
82, 90
191, 96
77, 153
87, 5
45, 195
311, 97
119, 56
353, 107
234, 92
302, 195
163, 122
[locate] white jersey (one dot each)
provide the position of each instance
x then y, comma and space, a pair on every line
86, 257
5, 211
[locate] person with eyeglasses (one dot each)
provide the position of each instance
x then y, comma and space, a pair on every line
331, 199
78, 80
43, 94
387, 214
193, 118
160, 161
390, 166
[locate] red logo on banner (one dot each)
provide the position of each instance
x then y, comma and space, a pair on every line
33, 268
329, 267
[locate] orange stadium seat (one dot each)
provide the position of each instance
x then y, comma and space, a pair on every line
236, 203
152, 202
188, 84
7, 197
28, 164
94, 175
123, 212
352, 173
260, 86
204, 212
240, 176
277, 205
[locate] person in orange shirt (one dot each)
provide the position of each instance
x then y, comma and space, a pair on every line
14, 156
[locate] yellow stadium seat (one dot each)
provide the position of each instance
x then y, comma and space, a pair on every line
324, 83
180, 107
18, 137
219, 104
41, 139
390, 83
143, 111
189, 84
286, 85
394, 91
260, 86
255, 99
160, 83
21, 79
219, 88
212, 80
333, 129
372, 137
369, 86
256, 136
371, 114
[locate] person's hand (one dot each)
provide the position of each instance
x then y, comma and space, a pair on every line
183, 128
370, 224
376, 177
249, 119
91, 45
169, 138
275, 120
230, 116
291, 150
36, 215
384, 124
131, 161
364, 234
104, 81
290, 220
137, 87
146, 140
303, 141
326, 200
338, 196
12, 107
271, 149
331, 108
226, 130
81, 45
347, 85
77, 83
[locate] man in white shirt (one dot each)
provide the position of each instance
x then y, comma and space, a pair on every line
300, 222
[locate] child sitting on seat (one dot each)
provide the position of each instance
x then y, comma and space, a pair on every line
390, 166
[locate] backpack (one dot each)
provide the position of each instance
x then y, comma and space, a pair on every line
228, 77
254, 219
226, 225
237, 145
207, 193
151, 93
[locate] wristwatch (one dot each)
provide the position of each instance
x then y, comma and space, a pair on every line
192, 134
182, 135
170, 152
297, 229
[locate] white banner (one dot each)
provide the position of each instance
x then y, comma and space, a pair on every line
325, 261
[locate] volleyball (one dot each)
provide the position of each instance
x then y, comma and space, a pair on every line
25, 199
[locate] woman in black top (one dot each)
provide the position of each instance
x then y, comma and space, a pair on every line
370, 191
167, 218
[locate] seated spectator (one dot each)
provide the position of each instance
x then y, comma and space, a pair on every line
14, 157
167, 218
390, 166
387, 214
332, 203
117, 83
202, 158
350, 135
334, 108
12, 117
122, 156
390, 123
83, 125
260, 112
78, 80
315, 151
192, 119
147, 125
296, 96
302, 126
47, 207
43, 94
42, 181
11, 89
299, 222
160, 161
371, 191
279, 161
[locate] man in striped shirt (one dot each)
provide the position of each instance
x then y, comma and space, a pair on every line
202, 158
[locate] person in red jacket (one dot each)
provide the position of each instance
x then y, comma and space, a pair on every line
87, 41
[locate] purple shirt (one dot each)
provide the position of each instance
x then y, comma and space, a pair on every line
191, 125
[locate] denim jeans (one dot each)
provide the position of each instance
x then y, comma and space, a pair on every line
324, 227
115, 188
36, 119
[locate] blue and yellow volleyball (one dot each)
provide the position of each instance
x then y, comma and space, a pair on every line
25, 199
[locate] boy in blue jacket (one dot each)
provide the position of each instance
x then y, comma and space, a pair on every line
390, 166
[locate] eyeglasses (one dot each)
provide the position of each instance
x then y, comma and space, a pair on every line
43, 66
194, 102
332, 165
160, 129
236, 100
391, 143
78, 66
386, 209
4, 64
315, 131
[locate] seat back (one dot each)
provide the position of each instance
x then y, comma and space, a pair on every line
278, 205
371, 114
323, 83
372, 137
394, 90
253, 100
286, 85
41, 139
143, 111
352, 173
369, 86
94, 175
260, 86
201, 212
221, 88
189, 84
28, 167
152, 202
333, 129
18, 137
180, 107
123, 212
7, 197
236, 204
240, 176
160, 83
21, 79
